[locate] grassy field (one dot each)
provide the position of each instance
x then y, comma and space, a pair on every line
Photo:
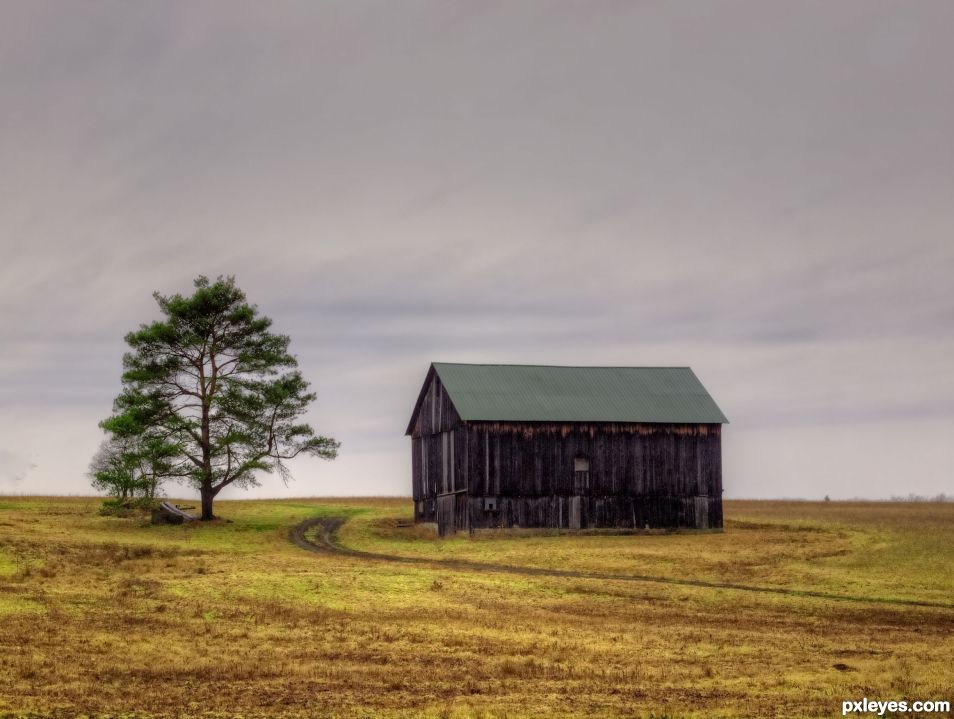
109, 616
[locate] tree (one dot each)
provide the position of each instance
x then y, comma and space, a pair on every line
211, 380
112, 469
129, 465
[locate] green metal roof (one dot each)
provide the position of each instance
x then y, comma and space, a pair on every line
528, 393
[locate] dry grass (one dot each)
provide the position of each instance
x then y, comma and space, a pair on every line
113, 616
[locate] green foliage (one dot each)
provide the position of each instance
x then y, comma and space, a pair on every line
214, 392
132, 465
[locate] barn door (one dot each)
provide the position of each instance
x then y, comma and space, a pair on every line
574, 507
453, 513
446, 516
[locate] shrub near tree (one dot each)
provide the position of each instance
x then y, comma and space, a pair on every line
132, 466
213, 383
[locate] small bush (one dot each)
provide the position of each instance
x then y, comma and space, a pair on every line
136, 507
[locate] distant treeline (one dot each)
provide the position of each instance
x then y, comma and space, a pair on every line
942, 497
919, 498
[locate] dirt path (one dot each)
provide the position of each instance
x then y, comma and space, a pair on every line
326, 543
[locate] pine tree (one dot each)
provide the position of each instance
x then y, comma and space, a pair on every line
214, 383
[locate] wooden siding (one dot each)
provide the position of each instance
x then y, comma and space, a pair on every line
436, 413
638, 475
439, 463
584, 512
624, 460
438, 454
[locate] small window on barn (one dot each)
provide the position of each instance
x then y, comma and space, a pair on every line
581, 475
490, 504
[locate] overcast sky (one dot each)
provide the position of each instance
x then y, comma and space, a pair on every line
761, 190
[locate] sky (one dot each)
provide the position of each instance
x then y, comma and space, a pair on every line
761, 190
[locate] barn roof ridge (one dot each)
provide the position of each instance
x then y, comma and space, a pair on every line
561, 393
565, 366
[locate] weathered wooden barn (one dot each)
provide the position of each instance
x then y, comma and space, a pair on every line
571, 447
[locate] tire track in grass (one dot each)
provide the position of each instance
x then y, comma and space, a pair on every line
325, 542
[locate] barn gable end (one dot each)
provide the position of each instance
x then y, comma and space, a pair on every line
438, 458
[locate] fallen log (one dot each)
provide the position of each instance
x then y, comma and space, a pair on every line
168, 513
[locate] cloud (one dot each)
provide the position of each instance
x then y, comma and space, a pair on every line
759, 191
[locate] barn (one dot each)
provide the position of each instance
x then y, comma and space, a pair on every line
565, 447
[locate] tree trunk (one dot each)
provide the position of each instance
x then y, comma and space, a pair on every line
208, 494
